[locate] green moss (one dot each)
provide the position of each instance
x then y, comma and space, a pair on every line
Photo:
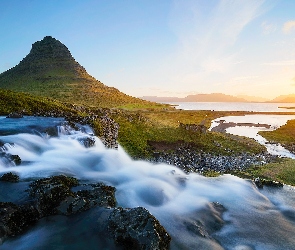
282, 171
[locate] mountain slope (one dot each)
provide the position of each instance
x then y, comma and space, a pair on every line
284, 99
50, 70
214, 97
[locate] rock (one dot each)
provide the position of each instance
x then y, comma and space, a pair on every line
15, 219
16, 159
15, 115
54, 195
263, 182
136, 228
87, 142
9, 177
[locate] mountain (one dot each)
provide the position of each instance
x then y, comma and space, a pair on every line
284, 99
50, 70
214, 97
253, 98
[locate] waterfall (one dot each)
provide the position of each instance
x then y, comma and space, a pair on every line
250, 218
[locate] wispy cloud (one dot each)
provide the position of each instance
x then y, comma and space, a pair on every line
289, 26
207, 38
281, 63
244, 78
268, 28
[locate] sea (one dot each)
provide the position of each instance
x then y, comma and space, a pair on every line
234, 106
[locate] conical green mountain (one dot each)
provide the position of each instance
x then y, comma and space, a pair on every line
50, 70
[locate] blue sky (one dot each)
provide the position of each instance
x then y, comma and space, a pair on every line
164, 47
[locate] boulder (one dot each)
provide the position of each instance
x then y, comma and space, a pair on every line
15, 115
15, 219
136, 228
9, 177
54, 195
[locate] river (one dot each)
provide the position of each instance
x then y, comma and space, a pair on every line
252, 218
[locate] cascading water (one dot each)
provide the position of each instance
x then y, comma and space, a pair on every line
198, 212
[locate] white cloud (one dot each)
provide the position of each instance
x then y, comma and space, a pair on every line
289, 27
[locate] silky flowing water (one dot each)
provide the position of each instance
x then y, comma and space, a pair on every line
253, 218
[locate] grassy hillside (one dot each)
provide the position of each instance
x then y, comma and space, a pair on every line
11, 101
50, 70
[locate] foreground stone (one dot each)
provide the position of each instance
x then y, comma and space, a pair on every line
15, 219
54, 195
9, 177
136, 228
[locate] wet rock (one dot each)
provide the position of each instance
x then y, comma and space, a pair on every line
15, 219
16, 159
136, 228
9, 177
12, 160
95, 195
54, 195
263, 182
50, 192
15, 115
87, 142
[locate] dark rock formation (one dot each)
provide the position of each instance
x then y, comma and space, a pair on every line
13, 160
9, 177
15, 115
54, 195
260, 182
136, 228
15, 219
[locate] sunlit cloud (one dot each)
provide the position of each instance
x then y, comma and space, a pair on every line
289, 27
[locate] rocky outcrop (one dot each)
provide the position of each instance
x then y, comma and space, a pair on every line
15, 219
136, 228
15, 115
9, 177
13, 160
54, 195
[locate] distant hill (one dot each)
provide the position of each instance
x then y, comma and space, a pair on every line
284, 99
253, 98
50, 70
214, 97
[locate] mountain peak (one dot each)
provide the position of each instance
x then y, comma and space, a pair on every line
50, 70
50, 57
50, 47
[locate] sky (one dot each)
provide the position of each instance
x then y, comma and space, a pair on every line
164, 47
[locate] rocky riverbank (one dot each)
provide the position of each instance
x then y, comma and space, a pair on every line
189, 160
